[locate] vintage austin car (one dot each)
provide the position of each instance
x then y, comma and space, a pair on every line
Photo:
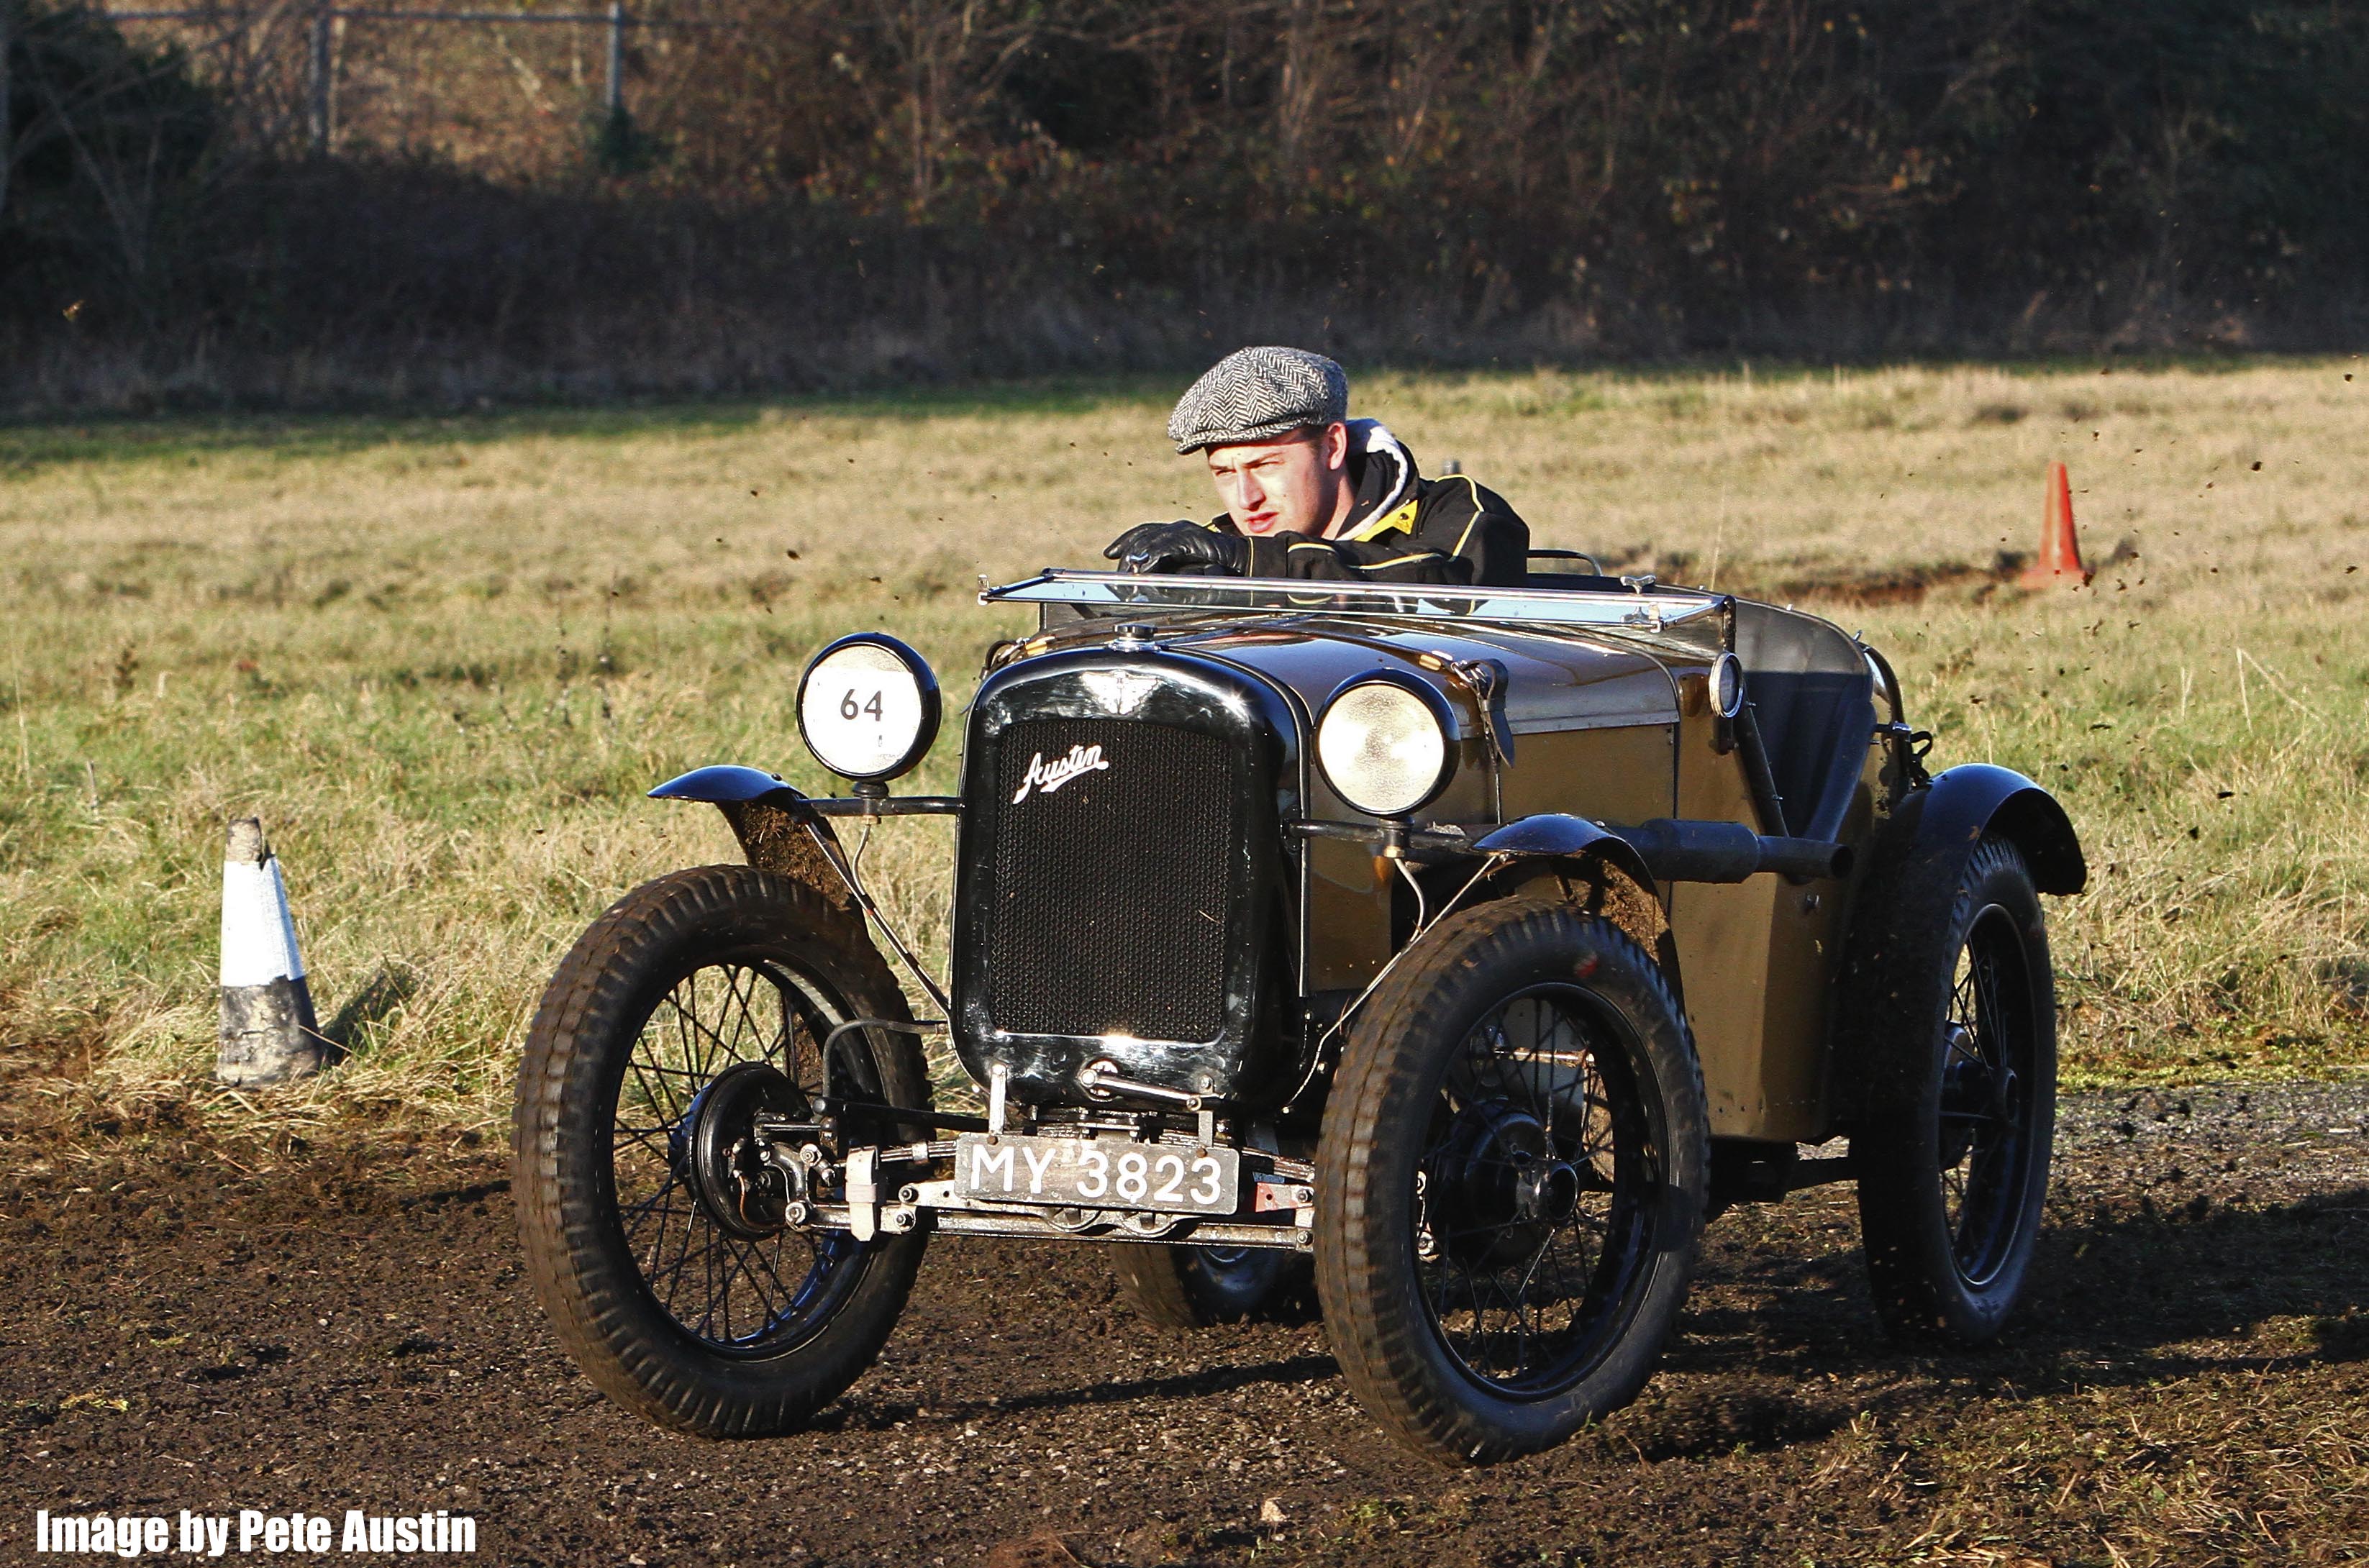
1478, 943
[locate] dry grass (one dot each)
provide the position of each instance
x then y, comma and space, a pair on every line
443, 658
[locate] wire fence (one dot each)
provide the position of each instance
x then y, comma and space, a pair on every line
249, 35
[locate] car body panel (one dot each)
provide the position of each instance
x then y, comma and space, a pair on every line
1627, 774
1349, 915
1572, 724
1598, 733
1554, 681
1727, 925
1579, 708
1762, 952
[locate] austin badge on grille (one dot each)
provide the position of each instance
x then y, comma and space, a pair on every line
1049, 776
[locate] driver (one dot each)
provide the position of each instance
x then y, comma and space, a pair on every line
1312, 493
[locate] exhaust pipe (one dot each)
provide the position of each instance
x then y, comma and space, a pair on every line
1729, 852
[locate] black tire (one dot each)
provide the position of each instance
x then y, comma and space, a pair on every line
1528, 1068
668, 1311
1954, 1025
1194, 1288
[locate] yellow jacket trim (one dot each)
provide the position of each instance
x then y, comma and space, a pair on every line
1403, 518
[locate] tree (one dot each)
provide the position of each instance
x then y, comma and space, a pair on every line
102, 140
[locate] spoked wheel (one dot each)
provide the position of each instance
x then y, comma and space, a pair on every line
1511, 1183
703, 1224
659, 1245
1192, 1287
1988, 1076
1954, 1150
1533, 1194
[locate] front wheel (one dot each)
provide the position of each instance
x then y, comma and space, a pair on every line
1510, 1182
1956, 1028
701, 1000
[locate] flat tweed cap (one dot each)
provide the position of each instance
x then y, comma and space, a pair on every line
1257, 394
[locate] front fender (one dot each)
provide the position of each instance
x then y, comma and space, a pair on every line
721, 783
776, 829
1974, 799
1577, 853
1552, 836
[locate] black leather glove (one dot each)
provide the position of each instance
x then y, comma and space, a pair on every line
1175, 546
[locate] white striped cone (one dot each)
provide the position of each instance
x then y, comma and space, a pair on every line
269, 1031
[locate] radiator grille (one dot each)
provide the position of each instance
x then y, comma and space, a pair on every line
1109, 905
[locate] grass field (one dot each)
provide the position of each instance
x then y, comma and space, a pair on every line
442, 657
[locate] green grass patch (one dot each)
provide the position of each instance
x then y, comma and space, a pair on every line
444, 658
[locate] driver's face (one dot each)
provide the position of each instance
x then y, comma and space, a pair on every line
1296, 482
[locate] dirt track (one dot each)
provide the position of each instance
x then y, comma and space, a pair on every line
2187, 1384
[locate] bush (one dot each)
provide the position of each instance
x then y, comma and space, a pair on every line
103, 161
818, 193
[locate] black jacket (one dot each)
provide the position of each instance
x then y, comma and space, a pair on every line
1404, 528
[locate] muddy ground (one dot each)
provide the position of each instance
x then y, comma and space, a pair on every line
2189, 1383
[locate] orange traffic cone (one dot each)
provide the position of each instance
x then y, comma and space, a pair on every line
2060, 547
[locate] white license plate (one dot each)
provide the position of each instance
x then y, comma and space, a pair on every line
1100, 1173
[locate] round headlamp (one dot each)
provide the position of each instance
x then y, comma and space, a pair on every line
1387, 743
1727, 685
868, 706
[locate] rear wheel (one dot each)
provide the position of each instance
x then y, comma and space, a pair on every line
699, 1001
1510, 1182
1957, 1033
1192, 1287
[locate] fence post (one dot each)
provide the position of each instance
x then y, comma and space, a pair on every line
7, 147
324, 22
616, 59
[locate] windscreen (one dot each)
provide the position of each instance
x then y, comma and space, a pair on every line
1684, 616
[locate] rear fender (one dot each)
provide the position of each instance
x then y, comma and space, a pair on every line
776, 829
1975, 798
1926, 844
